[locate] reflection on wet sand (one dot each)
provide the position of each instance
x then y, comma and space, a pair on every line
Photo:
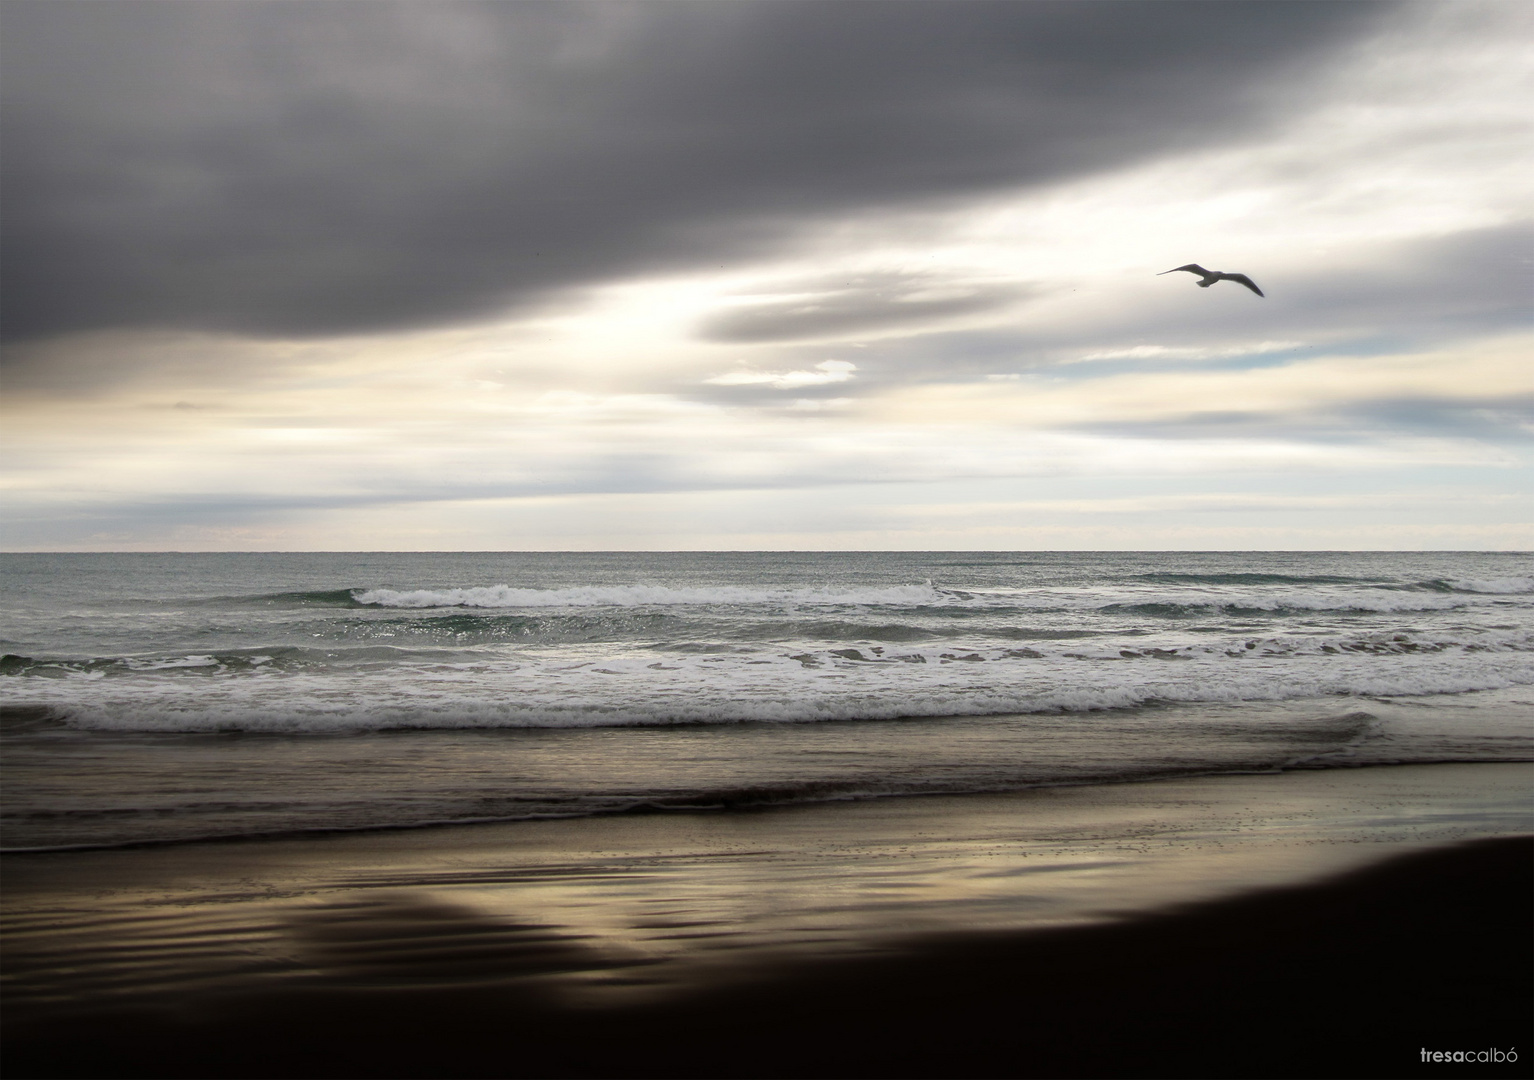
604, 911
410, 939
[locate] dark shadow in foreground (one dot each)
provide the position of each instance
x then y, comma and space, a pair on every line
1352, 977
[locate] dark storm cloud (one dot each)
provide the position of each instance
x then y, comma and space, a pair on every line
322, 167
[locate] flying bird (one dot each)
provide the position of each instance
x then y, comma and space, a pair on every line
1211, 276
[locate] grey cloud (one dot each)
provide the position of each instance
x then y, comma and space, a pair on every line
1498, 422
1504, 420
1410, 294
101, 364
859, 305
1419, 294
305, 169
1478, 281
1402, 295
130, 517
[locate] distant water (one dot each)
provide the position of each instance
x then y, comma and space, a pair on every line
165, 697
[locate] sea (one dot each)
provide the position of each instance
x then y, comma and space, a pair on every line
164, 698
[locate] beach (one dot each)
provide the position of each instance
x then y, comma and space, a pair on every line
1306, 923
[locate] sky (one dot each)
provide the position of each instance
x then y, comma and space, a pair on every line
680, 275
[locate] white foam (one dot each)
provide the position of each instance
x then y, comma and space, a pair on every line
173, 663
504, 596
639, 687
1287, 598
1250, 598
1368, 600
1507, 586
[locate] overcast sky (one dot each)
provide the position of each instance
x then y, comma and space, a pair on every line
678, 274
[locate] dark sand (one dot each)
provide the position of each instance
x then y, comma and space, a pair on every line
1309, 924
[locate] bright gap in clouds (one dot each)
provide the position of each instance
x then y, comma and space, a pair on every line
824, 373
1021, 378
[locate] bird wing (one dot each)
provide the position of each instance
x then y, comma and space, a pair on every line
1195, 267
1244, 280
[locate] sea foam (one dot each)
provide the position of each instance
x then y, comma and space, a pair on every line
504, 596
606, 689
1145, 599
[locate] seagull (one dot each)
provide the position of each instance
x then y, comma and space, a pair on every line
1211, 276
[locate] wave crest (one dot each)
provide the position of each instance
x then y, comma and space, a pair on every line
505, 596
1506, 586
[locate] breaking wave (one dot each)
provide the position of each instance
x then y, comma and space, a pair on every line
1507, 586
725, 685
504, 596
1256, 600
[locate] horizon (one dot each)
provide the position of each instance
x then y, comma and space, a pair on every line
756, 551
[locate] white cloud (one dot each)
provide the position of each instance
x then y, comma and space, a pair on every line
1175, 352
1492, 370
825, 372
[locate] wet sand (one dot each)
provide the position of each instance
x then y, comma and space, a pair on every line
1313, 923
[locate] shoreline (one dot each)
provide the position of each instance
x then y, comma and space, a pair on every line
689, 808
572, 947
